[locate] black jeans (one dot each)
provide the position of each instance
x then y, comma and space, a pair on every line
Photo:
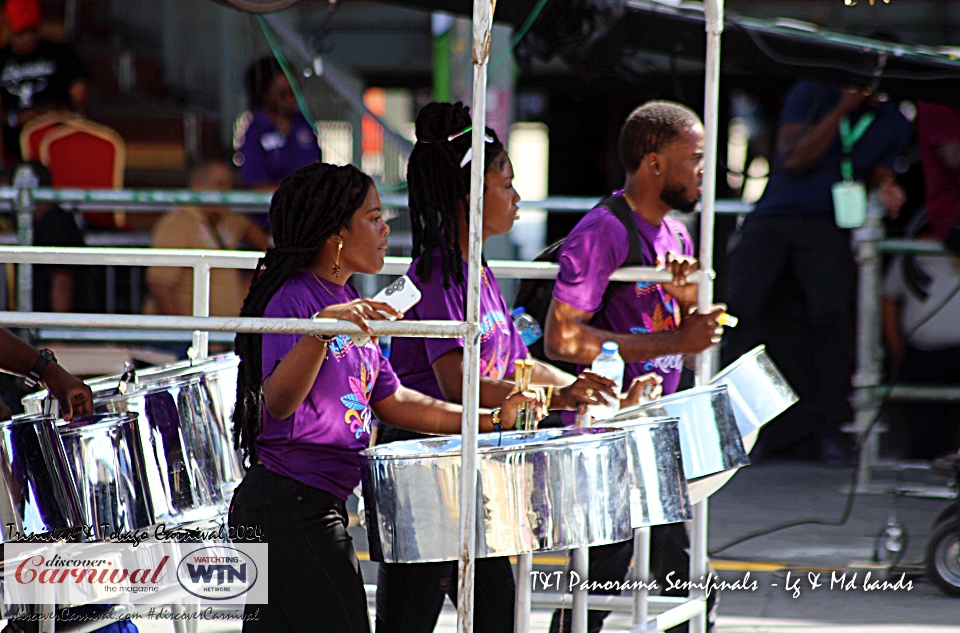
792, 285
315, 582
410, 596
669, 545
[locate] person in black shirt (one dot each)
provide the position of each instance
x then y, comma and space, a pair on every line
36, 75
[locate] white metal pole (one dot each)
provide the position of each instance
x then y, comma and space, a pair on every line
581, 597
521, 622
482, 23
707, 361
641, 568
24, 204
201, 306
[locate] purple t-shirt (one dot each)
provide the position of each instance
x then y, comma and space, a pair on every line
598, 246
319, 445
500, 343
265, 155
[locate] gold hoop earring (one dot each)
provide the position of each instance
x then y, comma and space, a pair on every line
336, 264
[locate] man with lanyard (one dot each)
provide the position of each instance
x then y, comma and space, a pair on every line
833, 146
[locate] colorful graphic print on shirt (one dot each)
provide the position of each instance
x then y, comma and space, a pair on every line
357, 402
494, 327
664, 318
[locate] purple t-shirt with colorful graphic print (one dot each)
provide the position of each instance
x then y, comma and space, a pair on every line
319, 445
500, 343
598, 246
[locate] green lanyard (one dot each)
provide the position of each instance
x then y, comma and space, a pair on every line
849, 137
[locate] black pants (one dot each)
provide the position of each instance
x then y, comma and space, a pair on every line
315, 582
934, 427
813, 256
410, 596
669, 552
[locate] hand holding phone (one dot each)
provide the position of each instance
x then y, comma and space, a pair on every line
401, 294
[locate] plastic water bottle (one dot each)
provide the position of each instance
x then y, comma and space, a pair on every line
526, 325
610, 365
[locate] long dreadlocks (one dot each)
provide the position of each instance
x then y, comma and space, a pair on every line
309, 206
438, 185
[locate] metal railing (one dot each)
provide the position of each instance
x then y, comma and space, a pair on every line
672, 611
869, 392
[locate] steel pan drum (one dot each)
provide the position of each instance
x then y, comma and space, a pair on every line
218, 379
538, 491
658, 488
709, 437
104, 454
758, 392
179, 446
37, 493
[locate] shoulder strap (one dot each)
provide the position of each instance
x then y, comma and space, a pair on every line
619, 207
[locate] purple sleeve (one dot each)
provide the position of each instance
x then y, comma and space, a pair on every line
443, 304
253, 167
387, 382
286, 304
592, 252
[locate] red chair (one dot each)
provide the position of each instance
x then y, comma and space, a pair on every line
85, 155
37, 128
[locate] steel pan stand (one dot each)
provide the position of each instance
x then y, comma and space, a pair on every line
521, 622
580, 558
641, 571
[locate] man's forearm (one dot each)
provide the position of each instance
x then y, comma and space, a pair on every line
586, 340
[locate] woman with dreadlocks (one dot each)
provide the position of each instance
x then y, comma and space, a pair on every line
410, 596
304, 402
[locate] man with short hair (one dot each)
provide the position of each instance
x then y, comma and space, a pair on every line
36, 75
655, 324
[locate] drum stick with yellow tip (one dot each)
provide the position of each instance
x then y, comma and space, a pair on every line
527, 377
518, 371
727, 320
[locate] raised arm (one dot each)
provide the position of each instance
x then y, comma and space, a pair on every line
801, 146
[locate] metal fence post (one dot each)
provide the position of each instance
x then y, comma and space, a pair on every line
869, 355
24, 204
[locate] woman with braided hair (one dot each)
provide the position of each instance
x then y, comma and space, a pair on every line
410, 596
304, 403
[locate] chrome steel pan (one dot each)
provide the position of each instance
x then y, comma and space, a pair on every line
38, 493
758, 392
104, 454
658, 487
218, 377
709, 436
538, 491
180, 446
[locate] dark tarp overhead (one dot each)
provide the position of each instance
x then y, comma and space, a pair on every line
600, 37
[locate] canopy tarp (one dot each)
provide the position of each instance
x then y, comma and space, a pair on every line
599, 37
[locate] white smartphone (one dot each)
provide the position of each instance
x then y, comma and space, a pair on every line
401, 294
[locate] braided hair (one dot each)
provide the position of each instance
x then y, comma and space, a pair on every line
438, 185
309, 206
